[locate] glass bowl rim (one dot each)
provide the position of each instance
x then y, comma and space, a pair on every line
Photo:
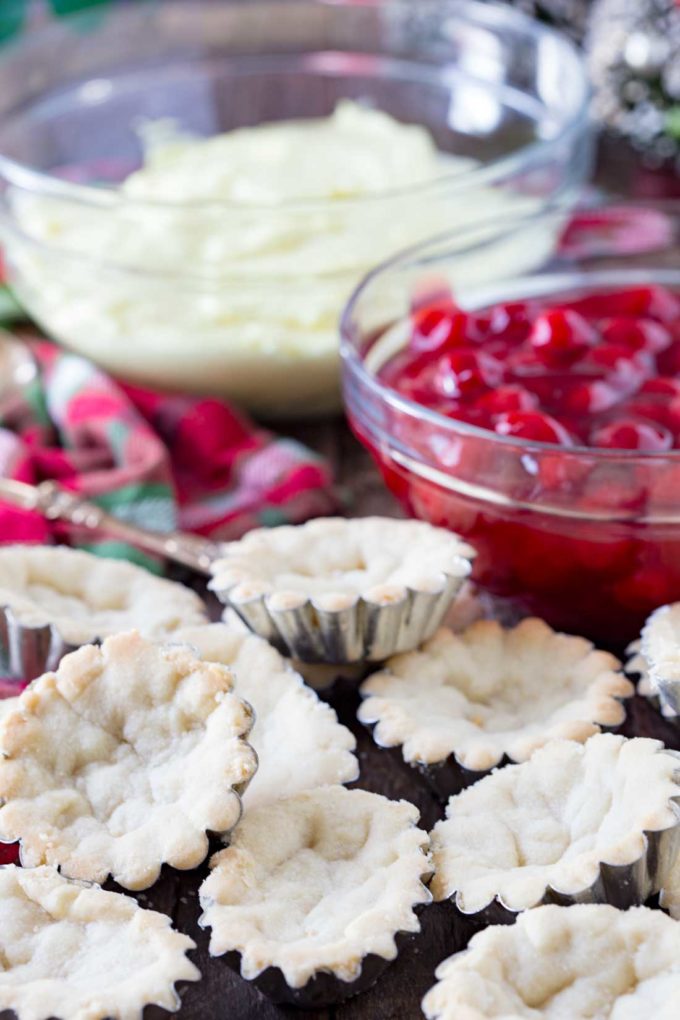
494, 16
353, 363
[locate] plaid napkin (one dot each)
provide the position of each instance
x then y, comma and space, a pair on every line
154, 460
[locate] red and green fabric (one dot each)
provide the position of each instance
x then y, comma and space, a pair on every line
155, 460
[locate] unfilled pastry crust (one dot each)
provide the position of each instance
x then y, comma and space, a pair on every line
491, 691
74, 951
564, 963
316, 883
553, 820
335, 561
89, 597
298, 739
122, 760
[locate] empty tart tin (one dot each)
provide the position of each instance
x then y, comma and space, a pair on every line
343, 591
353, 866
27, 651
468, 702
55, 599
577, 823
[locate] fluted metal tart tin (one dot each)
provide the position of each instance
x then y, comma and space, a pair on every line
620, 885
324, 989
357, 629
27, 652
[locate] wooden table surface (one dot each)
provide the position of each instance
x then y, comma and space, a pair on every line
397, 995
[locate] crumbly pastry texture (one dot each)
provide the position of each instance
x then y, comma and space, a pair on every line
298, 739
491, 691
122, 760
75, 951
335, 561
7, 705
316, 883
564, 963
88, 597
551, 821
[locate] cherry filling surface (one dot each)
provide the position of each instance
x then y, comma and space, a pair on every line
585, 530
597, 371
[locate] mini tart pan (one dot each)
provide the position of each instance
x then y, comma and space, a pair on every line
355, 629
26, 652
622, 886
324, 989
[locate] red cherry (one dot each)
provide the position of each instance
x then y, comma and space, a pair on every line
660, 304
662, 386
654, 302
668, 361
625, 370
591, 398
507, 398
464, 373
508, 321
560, 336
438, 325
534, 426
629, 434
637, 334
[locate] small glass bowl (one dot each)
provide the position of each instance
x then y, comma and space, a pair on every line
588, 539
259, 323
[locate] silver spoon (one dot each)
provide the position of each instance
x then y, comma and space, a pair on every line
18, 368
57, 504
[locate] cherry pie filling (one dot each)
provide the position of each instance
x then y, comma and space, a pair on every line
579, 529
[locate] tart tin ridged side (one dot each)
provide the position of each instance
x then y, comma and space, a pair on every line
324, 989
621, 885
26, 651
362, 630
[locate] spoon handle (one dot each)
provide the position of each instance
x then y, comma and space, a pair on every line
57, 504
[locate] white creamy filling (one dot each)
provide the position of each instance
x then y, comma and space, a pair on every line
285, 220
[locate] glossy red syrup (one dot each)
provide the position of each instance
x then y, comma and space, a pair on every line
579, 530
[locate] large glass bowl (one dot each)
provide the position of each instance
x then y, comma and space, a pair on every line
588, 539
259, 322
